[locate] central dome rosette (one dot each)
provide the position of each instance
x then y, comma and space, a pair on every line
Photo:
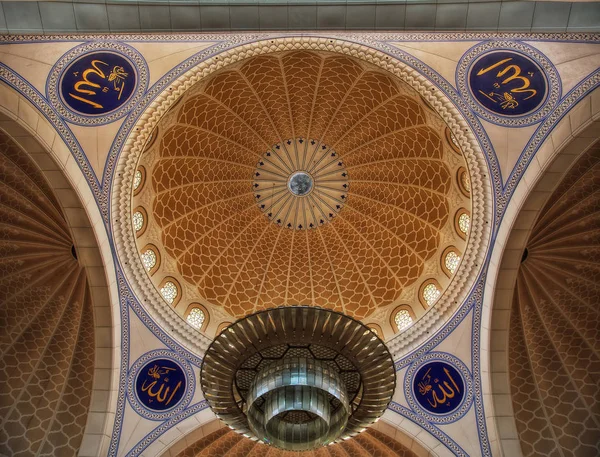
300, 177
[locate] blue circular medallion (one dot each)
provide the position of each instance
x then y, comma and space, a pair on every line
160, 384
98, 83
438, 387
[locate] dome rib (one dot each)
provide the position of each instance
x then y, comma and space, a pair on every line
300, 104
554, 350
47, 339
558, 334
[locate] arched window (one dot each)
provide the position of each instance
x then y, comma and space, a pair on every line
464, 182
139, 220
197, 316
139, 178
376, 329
452, 141
430, 292
222, 327
462, 222
402, 317
450, 260
150, 258
170, 291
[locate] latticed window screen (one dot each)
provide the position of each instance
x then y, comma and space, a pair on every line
196, 318
169, 292
403, 319
431, 293
451, 261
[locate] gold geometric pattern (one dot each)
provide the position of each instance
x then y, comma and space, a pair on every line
46, 318
555, 322
227, 443
209, 216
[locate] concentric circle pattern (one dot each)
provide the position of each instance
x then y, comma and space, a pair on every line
554, 343
301, 184
374, 222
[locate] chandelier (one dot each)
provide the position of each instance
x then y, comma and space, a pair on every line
298, 377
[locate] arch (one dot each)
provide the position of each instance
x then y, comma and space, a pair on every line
425, 293
459, 224
222, 326
24, 124
406, 308
377, 330
139, 180
575, 134
153, 268
206, 320
168, 291
444, 260
139, 223
387, 433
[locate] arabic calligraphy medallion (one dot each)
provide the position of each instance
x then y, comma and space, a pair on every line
97, 83
160, 384
439, 387
508, 83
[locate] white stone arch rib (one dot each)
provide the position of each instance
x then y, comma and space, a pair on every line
573, 135
30, 129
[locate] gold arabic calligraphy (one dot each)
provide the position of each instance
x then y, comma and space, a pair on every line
446, 390
156, 373
506, 99
117, 76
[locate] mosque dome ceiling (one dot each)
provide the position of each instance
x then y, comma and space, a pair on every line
555, 321
301, 177
47, 338
227, 443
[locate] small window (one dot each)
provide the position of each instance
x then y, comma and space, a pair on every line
430, 293
139, 179
139, 220
150, 259
450, 260
403, 319
452, 141
464, 182
376, 329
462, 222
222, 327
170, 291
196, 318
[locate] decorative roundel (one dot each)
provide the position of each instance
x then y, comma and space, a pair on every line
508, 83
97, 83
439, 387
301, 184
160, 384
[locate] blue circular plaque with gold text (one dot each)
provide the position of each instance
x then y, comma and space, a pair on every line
160, 384
97, 83
508, 83
438, 387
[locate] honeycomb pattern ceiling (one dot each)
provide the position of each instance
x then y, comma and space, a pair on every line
46, 317
555, 322
227, 443
376, 210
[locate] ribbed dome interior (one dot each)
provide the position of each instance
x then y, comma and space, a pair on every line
227, 443
377, 220
46, 318
555, 322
